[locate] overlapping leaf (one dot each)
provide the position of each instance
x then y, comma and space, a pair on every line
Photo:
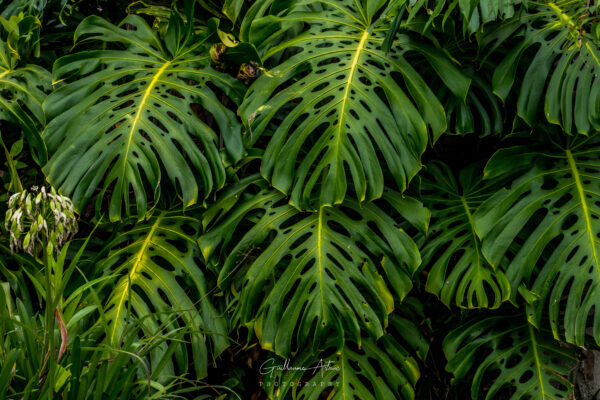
128, 116
22, 91
479, 113
562, 74
383, 369
474, 13
547, 226
311, 275
157, 279
457, 271
509, 359
342, 109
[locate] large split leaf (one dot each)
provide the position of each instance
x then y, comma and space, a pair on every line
547, 226
457, 271
128, 115
157, 280
562, 74
509, 359
343, 109
384, 369
312, 275
21, 96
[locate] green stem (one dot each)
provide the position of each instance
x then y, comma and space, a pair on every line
49, 331
15, 182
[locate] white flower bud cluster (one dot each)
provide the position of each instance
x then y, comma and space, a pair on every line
36, 218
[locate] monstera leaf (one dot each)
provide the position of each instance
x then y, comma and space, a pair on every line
21, 96
547, 225
312, 274
474, 13
458, 272
157, 279
479, 113
128, 115
562, 75
384, 369
341, 107
509, 359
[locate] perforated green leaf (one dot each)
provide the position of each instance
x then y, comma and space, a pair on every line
383, 369
308, 276
562, 75
342, 109
509, 359
457, 271
547, 224
22, 91
128, 116
157, 280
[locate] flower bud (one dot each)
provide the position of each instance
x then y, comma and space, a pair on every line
27, 240
36, 219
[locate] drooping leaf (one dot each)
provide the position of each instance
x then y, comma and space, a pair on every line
232, 8
476, 13
561, 74
546, 224
306, 276
473, 13
128, 115
509, 358
21, 96
15, 7
480, 113
457, 271
157, 276
384, 369
343, 110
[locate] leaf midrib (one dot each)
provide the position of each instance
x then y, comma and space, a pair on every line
319, 260
472, 226
584, 206
353, 67
139, 112
537, 360
133, 271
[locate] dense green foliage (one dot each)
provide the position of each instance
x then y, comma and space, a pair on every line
298, 199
